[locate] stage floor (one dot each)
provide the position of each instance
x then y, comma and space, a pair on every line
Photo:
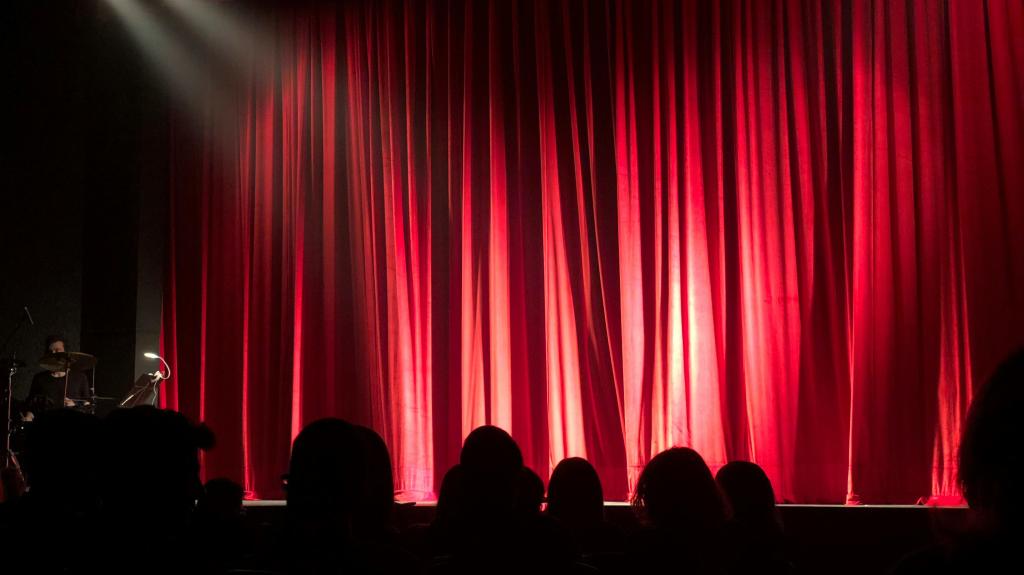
613, 504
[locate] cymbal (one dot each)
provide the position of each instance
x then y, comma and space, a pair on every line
9, 363
67, 359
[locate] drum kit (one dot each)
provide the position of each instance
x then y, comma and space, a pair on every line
19, 419
66, 361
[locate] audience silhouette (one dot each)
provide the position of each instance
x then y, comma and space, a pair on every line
133, 479
754, 533
576, 502
683, 511
575, 497
219, 531
221, 501
489, 512
52, 526
529, 493
436, 540
373, 514
991, 476
149, 483
450, 497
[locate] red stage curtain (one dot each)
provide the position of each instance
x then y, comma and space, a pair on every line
771, 230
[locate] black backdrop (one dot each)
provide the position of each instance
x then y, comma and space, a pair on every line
81, 230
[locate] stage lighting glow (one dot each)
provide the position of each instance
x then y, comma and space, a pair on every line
168, 56
167, 367
234, 36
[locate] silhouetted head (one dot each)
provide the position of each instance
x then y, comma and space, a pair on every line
150, 466
529, 492
378, 501
992, 447
490, 466
451, 497
748, 490
326, 473
575, 496
676, 491
492, 451
222, 499
59, 458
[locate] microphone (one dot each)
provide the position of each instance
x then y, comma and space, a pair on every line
29, 314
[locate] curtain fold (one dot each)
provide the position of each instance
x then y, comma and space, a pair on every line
781, 231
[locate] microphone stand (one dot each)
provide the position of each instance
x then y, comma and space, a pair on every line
7, 458
8, 455
145, 383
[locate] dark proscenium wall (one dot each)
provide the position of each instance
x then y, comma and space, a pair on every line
121, 280
81, 213
41, 221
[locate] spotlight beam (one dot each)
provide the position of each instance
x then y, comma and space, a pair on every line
167, 55
227, 32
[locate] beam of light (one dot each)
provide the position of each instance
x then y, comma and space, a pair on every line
169, 57
236, 37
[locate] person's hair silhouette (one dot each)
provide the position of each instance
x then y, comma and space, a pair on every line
222, 499
748, 491
754, 534
992, 447
490, 464
491, 451
149, 469
59, 459
575, 496
149, 451
326, 475
991, 472
684, 514
374, 510
677, 491
529, 492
